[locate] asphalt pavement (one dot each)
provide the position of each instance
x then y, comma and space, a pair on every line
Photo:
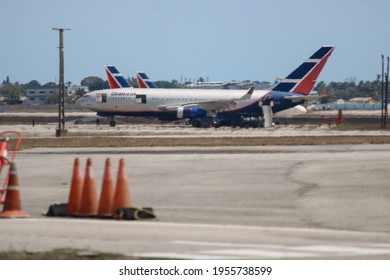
319, 202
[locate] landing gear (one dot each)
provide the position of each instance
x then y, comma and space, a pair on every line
203, 122
237, 121
112, 121
216, 122
246, 122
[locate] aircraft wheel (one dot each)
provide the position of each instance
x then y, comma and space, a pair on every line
196, 123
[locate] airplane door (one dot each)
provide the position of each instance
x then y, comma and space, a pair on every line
140, 99
101, 98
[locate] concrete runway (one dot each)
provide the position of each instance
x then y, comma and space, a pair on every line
320, 202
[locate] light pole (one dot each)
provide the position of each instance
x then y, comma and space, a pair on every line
61, 131
383, 94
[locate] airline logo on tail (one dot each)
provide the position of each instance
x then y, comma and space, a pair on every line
144, 81
115, 78
303, 79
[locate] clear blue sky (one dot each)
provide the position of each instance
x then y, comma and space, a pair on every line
169, 39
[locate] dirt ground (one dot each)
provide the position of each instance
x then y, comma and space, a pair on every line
317, 128
193, 141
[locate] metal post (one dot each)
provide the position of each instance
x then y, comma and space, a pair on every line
387, 93
266, 106
61, 131
383, 94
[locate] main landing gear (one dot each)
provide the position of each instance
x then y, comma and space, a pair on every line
112, 121
203, 122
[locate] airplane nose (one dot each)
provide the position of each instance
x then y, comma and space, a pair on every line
81, 101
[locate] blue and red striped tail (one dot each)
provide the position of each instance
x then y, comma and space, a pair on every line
144, 81
115, 78
303, 79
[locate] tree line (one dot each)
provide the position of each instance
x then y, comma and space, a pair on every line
349, 89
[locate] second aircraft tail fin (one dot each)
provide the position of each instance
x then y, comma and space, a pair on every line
303, 79
144, 81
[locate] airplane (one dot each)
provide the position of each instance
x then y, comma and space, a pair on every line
116, 79
204, 107
145, 82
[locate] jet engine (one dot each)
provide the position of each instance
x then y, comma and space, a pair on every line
190, 113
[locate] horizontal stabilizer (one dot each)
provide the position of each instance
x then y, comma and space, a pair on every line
299, 98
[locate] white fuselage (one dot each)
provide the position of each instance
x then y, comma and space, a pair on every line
137, 100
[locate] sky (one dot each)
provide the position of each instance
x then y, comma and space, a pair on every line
220, 40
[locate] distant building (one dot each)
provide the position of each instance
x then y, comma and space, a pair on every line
363, 100
42, 95
39, 96
358, 103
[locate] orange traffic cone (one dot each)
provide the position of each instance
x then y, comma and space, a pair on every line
89, 204
12, 203
107, 193
122, 195
76, 189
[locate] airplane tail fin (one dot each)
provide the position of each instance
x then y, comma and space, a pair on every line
248, 94
115, 78
303, 79
144, 81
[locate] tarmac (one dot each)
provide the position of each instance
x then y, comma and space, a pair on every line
273, 202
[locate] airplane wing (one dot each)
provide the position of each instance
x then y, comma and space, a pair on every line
209, 106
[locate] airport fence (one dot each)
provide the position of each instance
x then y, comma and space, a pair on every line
351, 106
